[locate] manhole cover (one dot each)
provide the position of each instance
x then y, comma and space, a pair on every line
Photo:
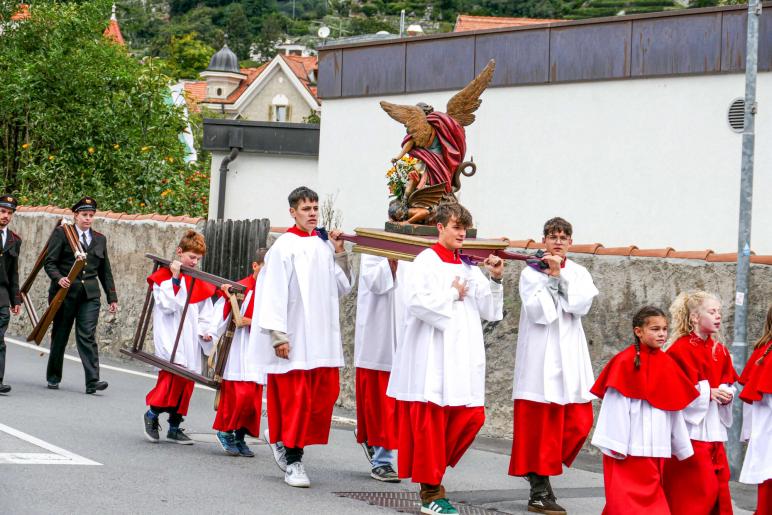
407, 502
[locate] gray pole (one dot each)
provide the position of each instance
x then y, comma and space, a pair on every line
740, 343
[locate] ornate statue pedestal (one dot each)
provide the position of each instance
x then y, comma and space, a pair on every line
421, 230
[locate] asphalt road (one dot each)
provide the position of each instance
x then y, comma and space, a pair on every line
67, 452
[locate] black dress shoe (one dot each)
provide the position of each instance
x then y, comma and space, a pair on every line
53, 386
5, 388
96, 387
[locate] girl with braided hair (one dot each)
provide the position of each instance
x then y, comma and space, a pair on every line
641, 425
757, 418
700, 485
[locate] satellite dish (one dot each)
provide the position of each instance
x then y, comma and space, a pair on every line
323, 32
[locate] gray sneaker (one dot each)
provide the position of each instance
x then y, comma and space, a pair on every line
385, 473
177, 435
151, 427
279, 453
296, 475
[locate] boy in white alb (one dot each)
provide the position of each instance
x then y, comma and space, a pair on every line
438, 376
297, 322
374, 345
553, 373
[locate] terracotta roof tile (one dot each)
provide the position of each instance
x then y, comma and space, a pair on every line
195, 91
761, 260
691, 254
160, 218
589, 248
113, 32
653, 252
536, 245
615, 251
729, 257
520, 244
22, 13
146, 216
465, 22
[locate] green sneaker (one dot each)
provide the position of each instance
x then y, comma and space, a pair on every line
438, 506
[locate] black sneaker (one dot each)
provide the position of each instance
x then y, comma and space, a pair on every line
177, 435
545, 503
5, 388
369, 450
244, 449
96, 387
53, 386
151, 428
385, 473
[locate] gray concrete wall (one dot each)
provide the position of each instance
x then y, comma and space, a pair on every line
127, 243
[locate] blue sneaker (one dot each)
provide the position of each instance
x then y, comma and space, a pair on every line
244, 449
228, 443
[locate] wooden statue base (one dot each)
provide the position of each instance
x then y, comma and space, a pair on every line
421, 230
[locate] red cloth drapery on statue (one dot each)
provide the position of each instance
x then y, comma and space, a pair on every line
452, 137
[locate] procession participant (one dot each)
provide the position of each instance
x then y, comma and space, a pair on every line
81, 304
757, 419
10, 301
172, 393
640, 424
375, 338
241, 390
700, 484
297, 311
438, 377
553, 373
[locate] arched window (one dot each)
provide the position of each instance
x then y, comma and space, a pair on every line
280, 108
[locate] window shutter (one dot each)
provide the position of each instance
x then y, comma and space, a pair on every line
271, 115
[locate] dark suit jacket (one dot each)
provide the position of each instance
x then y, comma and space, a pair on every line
9, 270
59, 261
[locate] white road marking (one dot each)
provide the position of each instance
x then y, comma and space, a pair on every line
57, 456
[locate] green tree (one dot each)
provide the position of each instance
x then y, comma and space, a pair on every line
188, 56
79, 115
238, 29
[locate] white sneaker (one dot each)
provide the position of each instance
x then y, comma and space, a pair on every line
279, 452
296, 476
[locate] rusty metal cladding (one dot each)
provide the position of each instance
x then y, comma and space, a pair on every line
439, 64
521, 57
677, 45
328, 82
407, 502
734, 36
231, 246
376, 70
591, 52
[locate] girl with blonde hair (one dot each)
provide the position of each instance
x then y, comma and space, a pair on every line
757, 418
700, 485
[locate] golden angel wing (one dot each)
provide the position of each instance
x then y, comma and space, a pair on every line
464, 103
427, 197
414, 119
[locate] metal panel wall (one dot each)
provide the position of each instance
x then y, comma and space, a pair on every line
590, 52
734, 36
521, 57
378, 70
231, 246
677, 45
438, 64
328, 82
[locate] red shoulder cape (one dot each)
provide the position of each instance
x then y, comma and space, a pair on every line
757, 378
659, 381
697, 358
249, 282
201, 290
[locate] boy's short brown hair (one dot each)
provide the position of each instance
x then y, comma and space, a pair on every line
448, 211
193, 241
556, 225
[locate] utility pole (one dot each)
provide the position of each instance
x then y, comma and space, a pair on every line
739, 348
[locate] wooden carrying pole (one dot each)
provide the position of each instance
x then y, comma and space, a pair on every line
137, 349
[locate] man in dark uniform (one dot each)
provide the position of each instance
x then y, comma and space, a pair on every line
81, 305
10, 301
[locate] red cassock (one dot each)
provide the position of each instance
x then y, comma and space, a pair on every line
433, 438
764, 506
634, 484
545, 452
757, 378
376, 412
241, 404
171, 391
700, 484
300, 404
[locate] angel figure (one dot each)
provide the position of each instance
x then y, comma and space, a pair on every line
438, 139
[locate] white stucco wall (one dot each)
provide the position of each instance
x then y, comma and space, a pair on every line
647, 162
258, 185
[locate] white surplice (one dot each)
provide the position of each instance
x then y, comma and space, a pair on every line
706, 419
757, 429
167, 314
242, 364
440, 357
552, 362
376, 330
297, 293
633, 427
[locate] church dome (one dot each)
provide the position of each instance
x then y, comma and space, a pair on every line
224, 61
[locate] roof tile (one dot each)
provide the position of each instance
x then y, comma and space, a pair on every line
465, 22
691, 254
615, 251
588, 248
661, 253
521, 244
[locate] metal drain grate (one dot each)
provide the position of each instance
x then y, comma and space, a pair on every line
407, 502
